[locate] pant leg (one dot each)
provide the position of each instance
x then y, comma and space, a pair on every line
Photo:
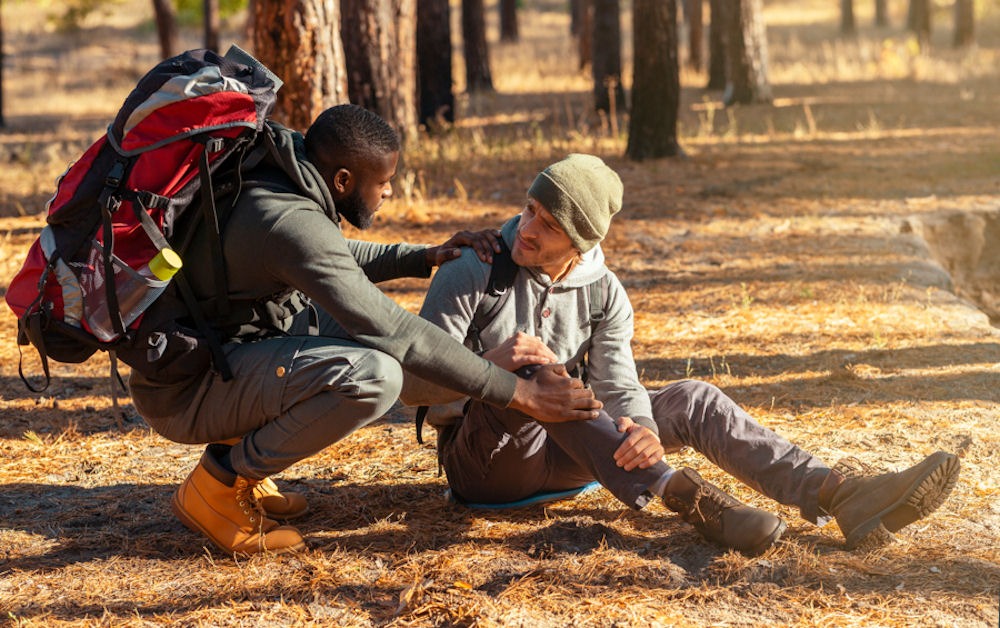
699, 415
289, 398
500, 455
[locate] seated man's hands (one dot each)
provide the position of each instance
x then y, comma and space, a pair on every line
640, 449
485, 243
520, 350
550, 395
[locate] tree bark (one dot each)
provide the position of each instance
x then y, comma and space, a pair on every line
477, 53
299, 40
3, 123
508, 20
656, 85
746, 57
694, 11
847, 23
574, 16
965, 23
918, 19
717, 37
380, 73
211, 24
585, 43
881, 13
606, 67
437, 98
166, 27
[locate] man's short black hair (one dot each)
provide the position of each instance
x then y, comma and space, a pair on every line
347, 134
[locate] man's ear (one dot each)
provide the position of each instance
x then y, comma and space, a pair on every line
342, 183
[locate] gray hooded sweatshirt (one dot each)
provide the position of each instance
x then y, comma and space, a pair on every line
558, 313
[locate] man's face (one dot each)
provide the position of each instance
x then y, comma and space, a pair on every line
372, 185
541, 241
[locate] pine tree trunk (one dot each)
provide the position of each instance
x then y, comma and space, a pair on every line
607, 56
437, 99
918, 19
477, 53
166, 27
746, 58
379, 73
585, 44
965, 23
211, 24
574, 16
299, 40
656, 87
847, 23
508, 20
881, 13
3, 123
718, 33
694, 11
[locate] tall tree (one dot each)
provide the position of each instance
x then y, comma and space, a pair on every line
477, 52
379, 71
746, 55
166, 27
694, 13
585, 34
437, 97
965, 23
575, 7
2, 121
881, 13
847, 23
299, 40
718, 33
211, 24
918, 19
606, 66
656, 85
508, 20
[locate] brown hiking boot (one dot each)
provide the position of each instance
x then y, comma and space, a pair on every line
868, 508
277, 504
719, 517
221, 505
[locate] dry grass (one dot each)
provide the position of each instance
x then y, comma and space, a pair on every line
773, 262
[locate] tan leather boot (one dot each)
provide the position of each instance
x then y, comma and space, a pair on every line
867, 509
222, 506
283, 506
277, 504
720, 517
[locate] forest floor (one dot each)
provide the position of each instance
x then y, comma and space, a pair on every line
827, 260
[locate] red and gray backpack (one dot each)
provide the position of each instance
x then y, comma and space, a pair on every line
191, 117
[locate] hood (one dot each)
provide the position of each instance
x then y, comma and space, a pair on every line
288, 154
590, 268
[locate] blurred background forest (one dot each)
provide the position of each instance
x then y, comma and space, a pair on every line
810, 215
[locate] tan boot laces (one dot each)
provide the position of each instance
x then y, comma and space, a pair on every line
251, 508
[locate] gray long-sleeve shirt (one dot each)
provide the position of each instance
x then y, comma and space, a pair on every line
558, 313
277, 240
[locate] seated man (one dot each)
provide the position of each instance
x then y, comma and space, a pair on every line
495, 454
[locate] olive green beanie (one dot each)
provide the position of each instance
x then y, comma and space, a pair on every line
582, 193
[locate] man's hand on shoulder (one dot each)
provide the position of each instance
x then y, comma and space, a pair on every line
550, 395
485, 243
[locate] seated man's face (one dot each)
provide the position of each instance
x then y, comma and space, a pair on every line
541, 241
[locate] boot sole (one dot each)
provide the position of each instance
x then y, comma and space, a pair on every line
191, 524
768, 541
925, 495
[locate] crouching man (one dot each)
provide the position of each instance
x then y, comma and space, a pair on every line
549, 316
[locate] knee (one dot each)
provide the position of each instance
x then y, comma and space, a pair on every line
386, 375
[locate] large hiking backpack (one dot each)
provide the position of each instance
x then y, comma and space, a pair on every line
116, 207
503, 272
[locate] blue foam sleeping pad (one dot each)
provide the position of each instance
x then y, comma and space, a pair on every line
531, 500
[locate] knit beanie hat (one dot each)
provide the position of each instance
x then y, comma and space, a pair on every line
582, 193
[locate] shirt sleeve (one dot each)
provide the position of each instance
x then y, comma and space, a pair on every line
306, 251
382, 262
611, 371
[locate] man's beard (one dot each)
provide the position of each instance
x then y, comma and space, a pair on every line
355, 211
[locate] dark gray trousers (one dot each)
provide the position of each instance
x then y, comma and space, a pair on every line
498, 455
290, 398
